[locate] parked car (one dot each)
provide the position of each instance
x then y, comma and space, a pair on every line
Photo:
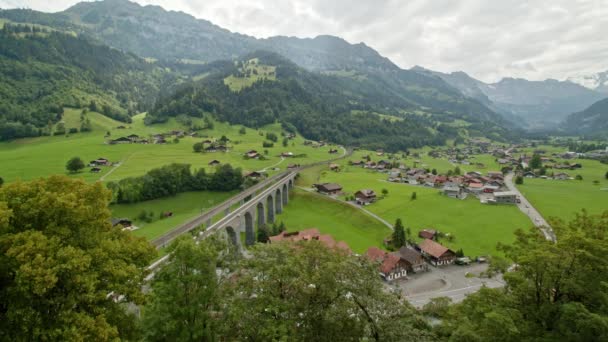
463, 261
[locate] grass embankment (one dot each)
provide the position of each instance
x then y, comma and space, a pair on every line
343, 222
184, 206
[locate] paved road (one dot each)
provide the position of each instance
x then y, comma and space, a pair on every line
448, 281
527, 208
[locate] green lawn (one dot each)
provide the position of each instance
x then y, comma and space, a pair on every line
183, 206
477, 227
343, 222
39, 157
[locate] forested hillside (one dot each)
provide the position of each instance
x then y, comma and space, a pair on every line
43, 71
591, 121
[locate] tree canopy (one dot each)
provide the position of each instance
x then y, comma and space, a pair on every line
66, 273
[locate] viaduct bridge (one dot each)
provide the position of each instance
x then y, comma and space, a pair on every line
258, 204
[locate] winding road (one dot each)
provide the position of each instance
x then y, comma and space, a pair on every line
527, 208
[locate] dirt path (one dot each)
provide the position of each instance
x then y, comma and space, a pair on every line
115, 167
272, 166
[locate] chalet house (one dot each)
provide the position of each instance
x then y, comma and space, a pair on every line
287, 154
99, 162
133, 137
207, 141
311, 234
440, 180
529, 174
427, 234
293, 166
121, 221
334, 167
452, 190
505, 197
222, 148
328, 188
415, 261
253, 154
357, 163
475, 187
253, 175
333, 151
214, 162
489, 189
474, 174
391, 266
436, 253
365, 196
370, 165
160, 140
561, 176
121, 140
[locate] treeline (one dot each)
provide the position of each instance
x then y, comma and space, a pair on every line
42, 73
172, 179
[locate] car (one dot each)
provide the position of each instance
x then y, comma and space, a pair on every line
463, 261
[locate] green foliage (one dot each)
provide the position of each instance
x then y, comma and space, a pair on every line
519, 180
242, 131
74, 165
557, 291
172, 179
312, 293
57, 274
384, 191
185, 293
413, 197
267, 144
536, 162
437, 307
606, 175
272, 137
198, 147
398, 238
285, 142
263, 234
578, 177
1, 181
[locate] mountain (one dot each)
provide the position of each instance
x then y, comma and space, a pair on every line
597, 82
592, 121
539, 104
43, 71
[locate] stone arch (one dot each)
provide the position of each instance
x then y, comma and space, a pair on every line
270, 208
261, 214
285, 195
249, 230
232, 236
278, 201
291, 183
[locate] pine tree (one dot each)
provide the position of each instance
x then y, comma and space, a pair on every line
398, 234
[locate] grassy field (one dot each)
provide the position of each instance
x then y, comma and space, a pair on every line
38, 157
476, 227
252, 72
183, 206
343, 222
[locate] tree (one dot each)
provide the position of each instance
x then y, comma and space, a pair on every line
262, 235
457, 171
413, 196
606, 175
242, 131
398, 237
69, 275
1, 181
285, 142
578, 177
184, 293
555, 293
384, 192
434, 171
313, 293
519, 180
74, 165
198, 147
536, 162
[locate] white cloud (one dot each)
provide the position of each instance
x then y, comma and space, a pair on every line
488, 39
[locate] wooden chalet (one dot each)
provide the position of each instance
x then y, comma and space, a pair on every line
435, 253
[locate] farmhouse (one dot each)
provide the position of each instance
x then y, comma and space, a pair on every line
121, 140
415, 260
505, 197
357, 163
333, 151
452, 190
253, 175
334, 167
328, 188
391, 267
287, 154
99, 162
561, 176
253, 154
495, 175
214, 162
436, 253
121, 221
310, 235
427, 234
365, 196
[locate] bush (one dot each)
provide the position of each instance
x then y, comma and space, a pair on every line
272, 137
267, 144
578, 177
74, 165
73, 130
519, 180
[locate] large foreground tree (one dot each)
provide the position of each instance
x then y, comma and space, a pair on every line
65, 272
557, 292
308, 292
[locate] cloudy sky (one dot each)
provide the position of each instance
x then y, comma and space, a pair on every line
487, 39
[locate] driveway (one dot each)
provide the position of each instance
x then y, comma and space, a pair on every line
527, 208
448, 281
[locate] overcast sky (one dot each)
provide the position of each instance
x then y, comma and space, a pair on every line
485, 38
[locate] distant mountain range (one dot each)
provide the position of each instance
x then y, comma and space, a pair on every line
539, 104
597, 82
371, 82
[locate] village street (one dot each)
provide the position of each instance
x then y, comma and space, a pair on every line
527, 208
449, 281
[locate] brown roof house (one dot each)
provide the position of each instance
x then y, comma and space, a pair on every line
427, 234
436, 253
328, 188
414, 259
309, 235
334, 167
391, 266
365, 196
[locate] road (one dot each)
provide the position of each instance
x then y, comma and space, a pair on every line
447, 281
527, 208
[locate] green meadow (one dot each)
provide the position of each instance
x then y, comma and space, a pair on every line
477, 227
42, 156
340, 220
